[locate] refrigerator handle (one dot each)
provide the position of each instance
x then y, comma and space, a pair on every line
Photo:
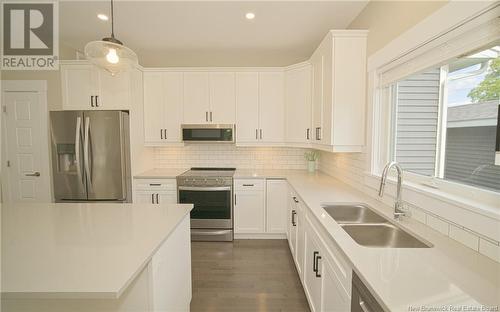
78, 159
86, 150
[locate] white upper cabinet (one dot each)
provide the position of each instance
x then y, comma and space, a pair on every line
247, 107
209, 98
222, 98
173, 86
298, 105
272, 107
153, 107
196, 98
163, 99
338, 95
260, 107
85, 87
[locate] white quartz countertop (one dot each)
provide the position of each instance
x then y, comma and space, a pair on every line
80, 250
447, 274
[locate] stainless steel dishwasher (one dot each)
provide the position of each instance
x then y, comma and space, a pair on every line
361, 299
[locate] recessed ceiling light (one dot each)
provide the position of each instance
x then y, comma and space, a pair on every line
250, 15
102, 17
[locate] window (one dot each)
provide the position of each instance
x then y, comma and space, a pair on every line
445, 119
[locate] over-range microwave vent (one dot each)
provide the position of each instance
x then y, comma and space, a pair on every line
208, 133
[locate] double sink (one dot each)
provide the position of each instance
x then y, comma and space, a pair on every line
368, 228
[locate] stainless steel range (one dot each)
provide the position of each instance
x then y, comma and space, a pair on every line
211, 192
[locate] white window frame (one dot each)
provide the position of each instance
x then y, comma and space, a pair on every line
437, 32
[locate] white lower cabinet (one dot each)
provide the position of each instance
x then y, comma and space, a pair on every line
260, 207
325, 274
276, 206
333, 296
325, 288
249, 206
155, 191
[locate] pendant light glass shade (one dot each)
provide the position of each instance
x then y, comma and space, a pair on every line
110, 53
113, 57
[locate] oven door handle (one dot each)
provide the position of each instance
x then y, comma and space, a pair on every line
204, 188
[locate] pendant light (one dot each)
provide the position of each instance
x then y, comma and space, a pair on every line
110, 53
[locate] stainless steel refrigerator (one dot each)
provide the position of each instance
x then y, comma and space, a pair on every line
91, 156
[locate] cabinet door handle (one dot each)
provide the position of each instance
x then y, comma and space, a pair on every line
319, 133
157, 201
256, 134
315, 269
317, 266
363, 306
165, 133
248, 184
307, 133
92, 100
235, 199
293, 218
152, 198
96, 101
261, 134
154, 184
210, 115
34, 174
161, 134
206, 116
295, 199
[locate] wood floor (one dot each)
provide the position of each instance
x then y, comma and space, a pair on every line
245, 275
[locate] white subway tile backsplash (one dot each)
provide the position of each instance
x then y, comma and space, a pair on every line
223, 155
438, 224
465, 237
489, 249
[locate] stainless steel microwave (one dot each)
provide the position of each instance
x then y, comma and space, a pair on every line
202, 133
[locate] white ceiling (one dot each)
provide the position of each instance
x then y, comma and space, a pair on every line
209, 33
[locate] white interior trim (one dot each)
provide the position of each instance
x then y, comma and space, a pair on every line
450, 16
459, 203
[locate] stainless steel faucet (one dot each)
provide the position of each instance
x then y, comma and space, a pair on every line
398, 205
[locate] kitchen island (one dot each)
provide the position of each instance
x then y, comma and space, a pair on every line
96, 257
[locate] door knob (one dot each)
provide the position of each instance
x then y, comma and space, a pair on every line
34, 174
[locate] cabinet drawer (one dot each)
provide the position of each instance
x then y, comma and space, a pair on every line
249, 184
155, 184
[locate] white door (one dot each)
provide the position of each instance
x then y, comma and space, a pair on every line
299, 239
26, 136
153, 108
222, 98
113, 91
271, 107
333, 297
298, 104
312, 279
317, 95
247, 107
172, 114
249, 212
196, 98
78, 83
276, 204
